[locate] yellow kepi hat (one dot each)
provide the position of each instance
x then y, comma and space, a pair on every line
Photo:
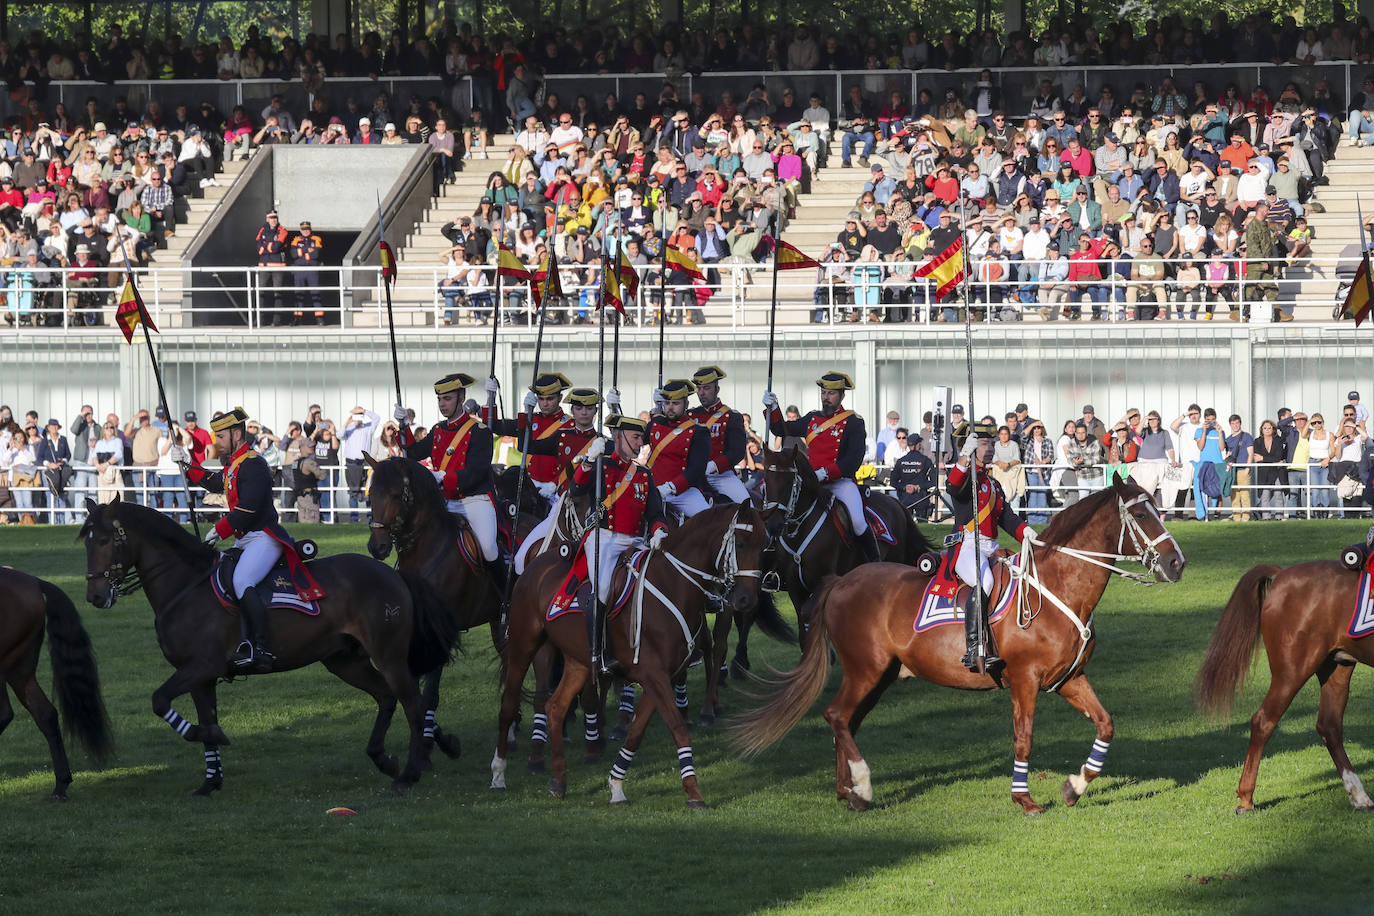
677, 389
236, 417
458, 381
586, 397
835, 381
985, 430
621, 423
551, 383
708, 374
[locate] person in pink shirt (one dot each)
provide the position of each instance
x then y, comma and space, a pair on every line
1078, 156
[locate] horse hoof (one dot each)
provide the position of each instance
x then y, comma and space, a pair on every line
1244, 809
206, 790
624, 802
558, 788
388, 765
856, 803
400, 787
58, 796
619, 733
534, 767
1363, 809
449, 744
1070, 796
497, 789
696, 804
1033, 811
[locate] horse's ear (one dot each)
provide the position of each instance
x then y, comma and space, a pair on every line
91, 505
116, 498
371, 462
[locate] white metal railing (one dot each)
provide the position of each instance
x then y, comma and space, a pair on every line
1304, 494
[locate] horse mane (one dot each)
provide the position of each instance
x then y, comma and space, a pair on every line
161, 529
677, 537
1070, 521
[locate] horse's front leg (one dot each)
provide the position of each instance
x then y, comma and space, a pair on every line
1079, 694
207, 711
184, 680
1023, 695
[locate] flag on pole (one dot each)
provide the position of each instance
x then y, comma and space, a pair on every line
621, 282
546, 281
680, 262
508, 265
1361, 295
387, 255
790, 257
131, 312
946, 268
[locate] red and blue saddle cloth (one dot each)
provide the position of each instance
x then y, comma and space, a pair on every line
840, 517
575, 594
1362, 618
942, 602
293, 588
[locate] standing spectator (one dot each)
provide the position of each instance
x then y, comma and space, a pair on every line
888, 434
143, 438
357, 434
85, 434
171, 492
325, 453
1293, 425
1006, 466
1122, 453
108, 458
1096, 428
1344, 470
307, 253
1361, 412
1321, 448
157, 199
1038, 457
1211, 447
913, 481
1239, 448
1186, 428
1155, 456
54, 457
272, 245
1085, 460
1268, 452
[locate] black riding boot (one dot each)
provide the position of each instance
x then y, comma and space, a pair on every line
496, 569
868, 545
252, 653
973, 621
602, 657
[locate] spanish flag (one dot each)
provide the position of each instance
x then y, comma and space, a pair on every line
508, 265
790, 257
680, 262
546, 281
131, 312
946, 268
1361, 295
388, 261
620, 282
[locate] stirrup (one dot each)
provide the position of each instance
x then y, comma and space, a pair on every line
242, 657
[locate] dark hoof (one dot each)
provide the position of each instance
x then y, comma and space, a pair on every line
534, 767
619, 733
591, 759
1069, 795
558, 788
696, 804
207, 789
58, 795
1034, 811
1241, 809
401, 787
706, 721
856, 803
449, 744
388, 764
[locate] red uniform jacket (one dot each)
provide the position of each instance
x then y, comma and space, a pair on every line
543, 465
834, 442
635, 507
993, 509
562, 447
678, 452
461, 449
726, 428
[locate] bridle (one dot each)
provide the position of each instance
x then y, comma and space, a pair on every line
792, 522
120, 573
402, 532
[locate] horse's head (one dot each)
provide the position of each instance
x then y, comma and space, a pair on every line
739, 561
391, 495
1143, 534
109, 558
787, 475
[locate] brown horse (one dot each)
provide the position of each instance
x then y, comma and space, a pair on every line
717, 552
377, 629
1303, 614
28, 602
1045, 637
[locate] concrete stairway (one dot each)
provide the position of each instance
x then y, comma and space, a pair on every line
1314, 286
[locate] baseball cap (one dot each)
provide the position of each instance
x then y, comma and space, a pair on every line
1021, 407
367, 121
957, 408
388, 126
1353, 396
1088, 408
189, 416
160, 413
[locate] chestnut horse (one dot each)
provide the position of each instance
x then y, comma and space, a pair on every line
1046, 638
715, 553
28, 602
376, 630
1303, 614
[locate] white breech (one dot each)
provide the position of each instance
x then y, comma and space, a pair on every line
847, 492
534, 541
261, 552
1149, 475
480, 513
689, 502
612, 546
728, 484
965, 560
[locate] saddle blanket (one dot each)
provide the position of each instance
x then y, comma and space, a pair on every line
1362, 620
575, 593
875, 521
942, 602
285, 594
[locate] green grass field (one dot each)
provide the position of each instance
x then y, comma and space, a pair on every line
1154, 834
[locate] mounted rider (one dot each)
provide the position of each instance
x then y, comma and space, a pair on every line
626, 510
727, 436
544, 417
679, 448
993, 511
570, 441
246, 482
459, 449
835, 443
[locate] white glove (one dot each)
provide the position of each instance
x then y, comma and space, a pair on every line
666, 490
970, 446
178, 455
659, 400
1028, 535
438, 477
711, 468
613, 399
770, 400
493, 386
821, 474
596, 449
531, 401
212, 537
546, 488
401, 414
657, 539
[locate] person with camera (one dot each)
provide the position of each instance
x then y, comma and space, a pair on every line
1210, 465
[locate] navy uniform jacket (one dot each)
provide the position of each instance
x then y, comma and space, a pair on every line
913, 468
246, 482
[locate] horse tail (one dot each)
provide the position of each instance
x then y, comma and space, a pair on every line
434, 633
75, 678
1233, 642
770, 621
755, 731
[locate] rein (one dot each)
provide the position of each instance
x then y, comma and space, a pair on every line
792, 522
124, 579
1027, 569
403, 533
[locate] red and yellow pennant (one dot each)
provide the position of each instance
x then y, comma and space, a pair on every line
546, 281
946, 268
508, 265
621, 282
790, 257
131, 312
679, 261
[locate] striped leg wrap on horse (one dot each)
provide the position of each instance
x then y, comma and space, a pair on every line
214, 767
540, 730
591, 727
179, 725
622, 763
1020, 776
429, 724
680, 696
627, 698
1097, 757
684, 761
